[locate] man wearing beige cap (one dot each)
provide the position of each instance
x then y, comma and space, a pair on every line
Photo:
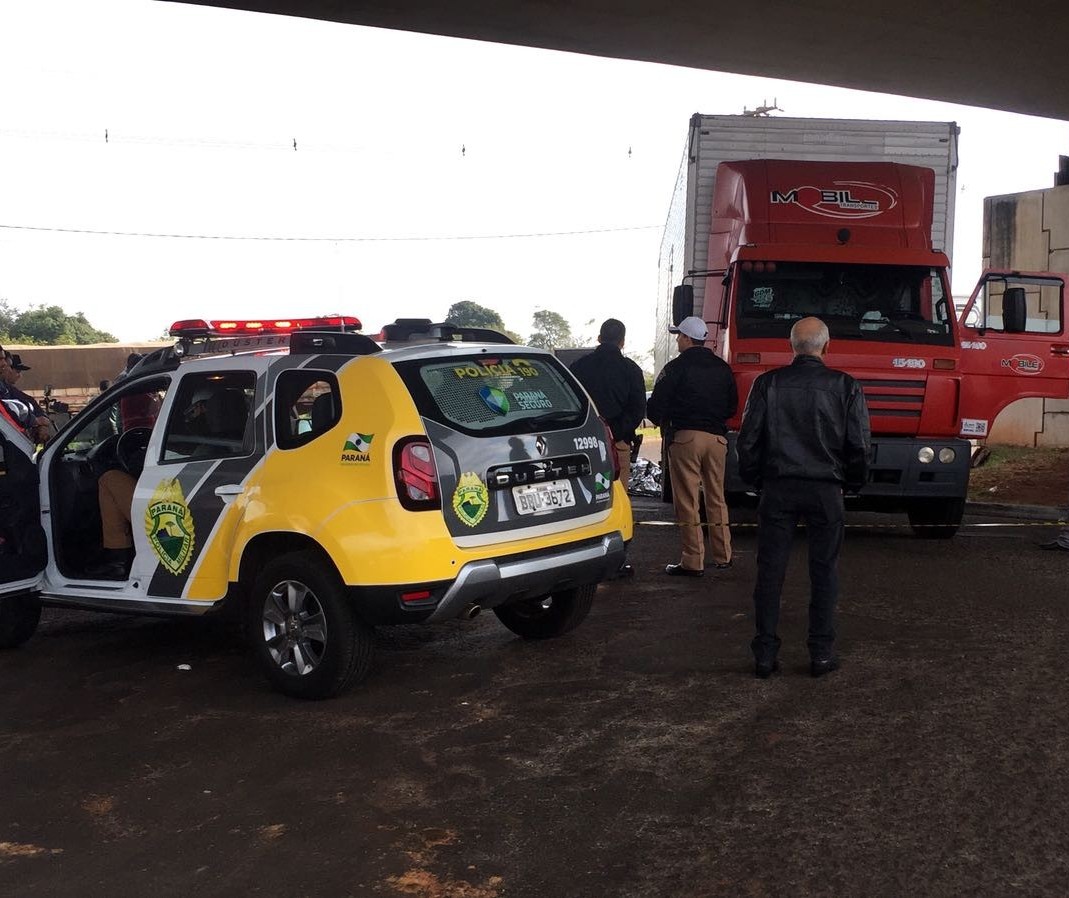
693, 399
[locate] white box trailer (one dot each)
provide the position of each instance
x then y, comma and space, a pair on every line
731, 138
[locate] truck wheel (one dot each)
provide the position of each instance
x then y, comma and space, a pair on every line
935, 518
549, 616
304, 629
18, 619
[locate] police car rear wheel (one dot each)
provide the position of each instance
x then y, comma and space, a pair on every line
306, 634
547, 617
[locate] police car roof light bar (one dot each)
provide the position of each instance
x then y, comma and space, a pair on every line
196, 327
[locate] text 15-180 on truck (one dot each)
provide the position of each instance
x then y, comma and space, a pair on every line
830, 218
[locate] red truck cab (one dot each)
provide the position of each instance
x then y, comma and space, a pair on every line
850, 243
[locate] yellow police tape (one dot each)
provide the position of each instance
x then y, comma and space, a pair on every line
747, 526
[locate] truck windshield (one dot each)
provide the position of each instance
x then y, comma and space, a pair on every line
885, 303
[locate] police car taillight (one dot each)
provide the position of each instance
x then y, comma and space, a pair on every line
416, 475
251, 326
611, 444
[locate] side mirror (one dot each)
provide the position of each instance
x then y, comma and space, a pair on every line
1014, 311
682, 302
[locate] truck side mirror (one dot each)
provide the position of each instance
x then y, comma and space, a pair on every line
682, 302
1014, 311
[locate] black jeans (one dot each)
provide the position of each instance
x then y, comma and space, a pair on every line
783, 503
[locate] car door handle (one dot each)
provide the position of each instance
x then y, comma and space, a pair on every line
1060, 349
228, 491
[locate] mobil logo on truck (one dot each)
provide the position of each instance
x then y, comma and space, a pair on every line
850, 200
773, 240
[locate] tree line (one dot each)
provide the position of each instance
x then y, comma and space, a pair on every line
51, 326
48, 326
551, 329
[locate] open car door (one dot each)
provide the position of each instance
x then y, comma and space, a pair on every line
1014, 345
23, 550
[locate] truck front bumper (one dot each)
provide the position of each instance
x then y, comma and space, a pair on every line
896, 471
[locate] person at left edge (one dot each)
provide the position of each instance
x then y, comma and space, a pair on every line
37, 425
618, 388
692, 400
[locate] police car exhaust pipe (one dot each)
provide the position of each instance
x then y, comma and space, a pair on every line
472, 612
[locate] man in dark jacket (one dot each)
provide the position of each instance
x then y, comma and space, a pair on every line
693, 398
617, 386
804, 439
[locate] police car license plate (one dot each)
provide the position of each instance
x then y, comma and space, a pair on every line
536, 497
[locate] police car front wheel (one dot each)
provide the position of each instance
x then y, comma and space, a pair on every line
305, 632
18, 619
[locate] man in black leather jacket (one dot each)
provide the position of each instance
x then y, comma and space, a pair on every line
693, 398
804, 439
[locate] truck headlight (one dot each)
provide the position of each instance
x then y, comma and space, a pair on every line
947, 455
926, 455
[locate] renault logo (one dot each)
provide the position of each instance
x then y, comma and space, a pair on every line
540, 444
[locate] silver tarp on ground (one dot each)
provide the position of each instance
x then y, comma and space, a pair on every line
644, 479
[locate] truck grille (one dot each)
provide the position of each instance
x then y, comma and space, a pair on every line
894, 398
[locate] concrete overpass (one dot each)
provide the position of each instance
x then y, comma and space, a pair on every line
976, 52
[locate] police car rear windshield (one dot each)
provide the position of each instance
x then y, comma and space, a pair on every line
502, 395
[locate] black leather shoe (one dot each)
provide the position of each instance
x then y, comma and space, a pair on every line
764, 671
818, 667
111, 570
722, 565
677, 570
1056, 546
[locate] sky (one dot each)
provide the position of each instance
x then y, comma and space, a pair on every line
342, 149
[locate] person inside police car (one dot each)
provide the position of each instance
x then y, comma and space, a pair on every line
692, 400
804, 439
115, 492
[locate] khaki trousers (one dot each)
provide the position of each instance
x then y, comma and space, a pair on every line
696, 461
115, 491
623, 455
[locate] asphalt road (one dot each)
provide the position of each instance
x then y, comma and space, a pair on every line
635, 757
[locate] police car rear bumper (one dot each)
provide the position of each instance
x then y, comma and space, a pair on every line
495, 582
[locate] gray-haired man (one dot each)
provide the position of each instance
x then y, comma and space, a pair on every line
804, 438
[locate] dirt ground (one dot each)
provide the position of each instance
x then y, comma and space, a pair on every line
634, 758
1022, 477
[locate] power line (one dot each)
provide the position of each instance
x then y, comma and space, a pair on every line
264, 238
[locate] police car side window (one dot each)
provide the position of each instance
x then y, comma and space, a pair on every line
211, 417
307, 405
